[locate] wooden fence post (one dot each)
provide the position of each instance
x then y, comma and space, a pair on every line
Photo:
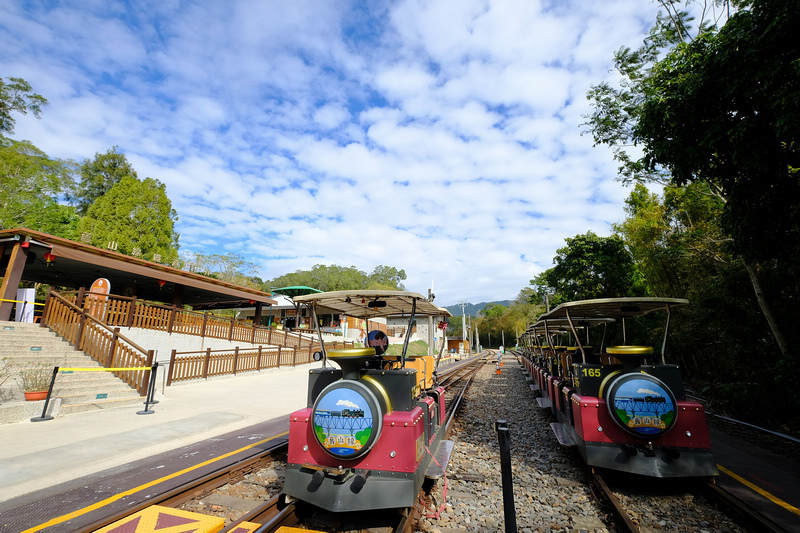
294, 356
112, 348
235, 359
205, 321
172, 358
269, 335
206, 363
171, 321
43, 320
259, 358
230, 332
131, 316
144, 385
81, 327
253, 334
279, 356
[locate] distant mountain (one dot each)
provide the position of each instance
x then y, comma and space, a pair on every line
474, 309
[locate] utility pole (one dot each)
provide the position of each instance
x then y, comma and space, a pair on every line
469, 336
463, 325
463, 321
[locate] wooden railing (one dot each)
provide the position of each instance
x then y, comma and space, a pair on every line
184, 366
106, 346
84, 328
131, 312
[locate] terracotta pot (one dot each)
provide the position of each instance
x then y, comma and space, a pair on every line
33, 396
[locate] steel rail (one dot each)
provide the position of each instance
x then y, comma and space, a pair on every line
624, 520
179, 495
268, 514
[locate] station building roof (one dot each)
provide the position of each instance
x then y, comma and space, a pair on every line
78, 265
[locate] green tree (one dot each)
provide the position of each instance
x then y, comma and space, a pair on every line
675, 239
138, 216
591, 267
493, 311
385, 277
99, 175
17, 96
721, 109
677, 242
230, 267
31, 185
337, 278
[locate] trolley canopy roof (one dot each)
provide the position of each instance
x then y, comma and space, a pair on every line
561, 325
616, 308
371, 304
294, 292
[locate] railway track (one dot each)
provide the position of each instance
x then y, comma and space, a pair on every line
631, 521
275, 512
617, 510
200, 486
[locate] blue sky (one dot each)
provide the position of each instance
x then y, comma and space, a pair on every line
442, 137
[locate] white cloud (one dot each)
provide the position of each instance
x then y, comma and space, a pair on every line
441, 137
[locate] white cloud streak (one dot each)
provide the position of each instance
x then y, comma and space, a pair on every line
440, 137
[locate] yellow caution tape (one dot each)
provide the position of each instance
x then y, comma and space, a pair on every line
103, 369
19, 301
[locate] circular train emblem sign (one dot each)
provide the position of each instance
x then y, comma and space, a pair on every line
642, 405
347, 419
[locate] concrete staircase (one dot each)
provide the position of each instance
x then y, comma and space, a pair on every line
24, 344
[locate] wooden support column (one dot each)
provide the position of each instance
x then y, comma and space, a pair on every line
12, 277
177, 296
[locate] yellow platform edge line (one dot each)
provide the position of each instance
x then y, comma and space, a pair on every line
116, 497
774, 499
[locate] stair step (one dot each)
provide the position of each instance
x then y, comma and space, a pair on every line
101, 404
95, 396
77, 386
75, 392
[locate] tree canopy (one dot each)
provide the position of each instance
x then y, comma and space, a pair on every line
230, 267
715, 119
137, 215
337, 278
17, 96
724, 109
99, 175
31, 185
589, 267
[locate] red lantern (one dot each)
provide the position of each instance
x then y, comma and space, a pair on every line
49, 258
161, 283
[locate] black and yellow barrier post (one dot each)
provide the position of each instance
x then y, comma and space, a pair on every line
150, 391
148, 399
45, 416
23, 302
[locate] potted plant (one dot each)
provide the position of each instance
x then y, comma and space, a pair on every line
35, 380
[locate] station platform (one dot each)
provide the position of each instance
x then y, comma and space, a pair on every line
38, 455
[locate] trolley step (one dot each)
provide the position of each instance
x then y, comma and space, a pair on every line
564, 438
544, 402
438, 467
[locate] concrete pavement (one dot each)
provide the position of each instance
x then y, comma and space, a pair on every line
37, 455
